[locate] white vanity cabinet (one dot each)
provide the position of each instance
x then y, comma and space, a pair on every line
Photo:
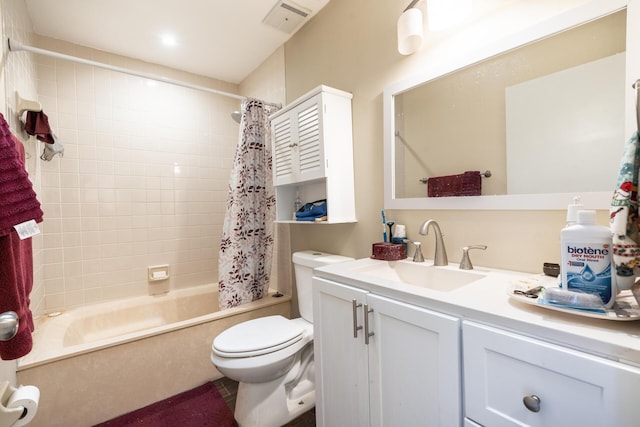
381, 362
514, 380
313, 154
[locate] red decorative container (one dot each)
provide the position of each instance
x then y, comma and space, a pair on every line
388, 251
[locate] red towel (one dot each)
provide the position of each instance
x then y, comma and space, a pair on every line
19, 204
465, 184
16, 281
37, 124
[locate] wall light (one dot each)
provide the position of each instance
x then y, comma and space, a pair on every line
410, 30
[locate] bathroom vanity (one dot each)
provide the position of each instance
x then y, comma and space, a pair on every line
403, 343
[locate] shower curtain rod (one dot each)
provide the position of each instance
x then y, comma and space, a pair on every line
15, 46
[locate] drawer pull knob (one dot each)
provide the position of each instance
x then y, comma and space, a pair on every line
532, 403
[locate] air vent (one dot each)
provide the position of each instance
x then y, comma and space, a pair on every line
286, 16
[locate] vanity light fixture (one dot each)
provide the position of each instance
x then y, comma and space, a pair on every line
409, 29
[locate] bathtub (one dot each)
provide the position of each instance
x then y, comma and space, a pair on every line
96, 362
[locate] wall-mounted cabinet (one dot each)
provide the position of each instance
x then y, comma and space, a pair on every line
313, 154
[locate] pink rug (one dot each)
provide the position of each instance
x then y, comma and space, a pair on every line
200, 407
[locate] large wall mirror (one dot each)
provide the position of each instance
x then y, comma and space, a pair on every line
543, 112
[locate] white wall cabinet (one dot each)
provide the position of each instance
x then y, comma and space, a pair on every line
381, 362
513, 380
313, 154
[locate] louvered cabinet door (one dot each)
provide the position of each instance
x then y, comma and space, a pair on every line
310, 148
283, 151
297, 144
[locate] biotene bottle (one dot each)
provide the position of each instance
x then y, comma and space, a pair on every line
587, 258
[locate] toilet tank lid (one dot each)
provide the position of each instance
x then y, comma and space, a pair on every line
311, 258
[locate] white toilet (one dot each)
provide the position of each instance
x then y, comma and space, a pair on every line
272, 357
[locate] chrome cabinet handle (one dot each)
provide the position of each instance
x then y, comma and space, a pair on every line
532, 403
356, 328
367, 334
8, 325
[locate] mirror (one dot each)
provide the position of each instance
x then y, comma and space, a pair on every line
524, 111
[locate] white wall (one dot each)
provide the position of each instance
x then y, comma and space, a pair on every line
352, 46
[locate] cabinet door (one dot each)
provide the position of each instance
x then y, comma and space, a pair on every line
298, 153
342, 396
283, 150
414, 365
310, 139
503, 370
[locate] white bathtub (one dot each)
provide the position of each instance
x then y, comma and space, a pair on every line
114, 357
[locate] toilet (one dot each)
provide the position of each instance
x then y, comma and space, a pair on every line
272, 357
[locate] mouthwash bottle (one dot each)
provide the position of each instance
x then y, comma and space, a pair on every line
587, 258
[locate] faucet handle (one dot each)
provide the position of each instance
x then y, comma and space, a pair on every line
417, 256
465, 262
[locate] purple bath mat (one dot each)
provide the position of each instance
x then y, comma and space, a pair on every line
200, 407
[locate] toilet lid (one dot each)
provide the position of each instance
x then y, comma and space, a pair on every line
258, 336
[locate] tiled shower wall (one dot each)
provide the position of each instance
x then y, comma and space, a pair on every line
143, 180
19, 74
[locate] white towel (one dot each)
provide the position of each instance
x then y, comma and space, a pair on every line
50, 150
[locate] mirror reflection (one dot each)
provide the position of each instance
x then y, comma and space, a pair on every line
547, 117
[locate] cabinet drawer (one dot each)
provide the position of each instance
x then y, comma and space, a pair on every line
501, 369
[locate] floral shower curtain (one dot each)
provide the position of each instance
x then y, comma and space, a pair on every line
244, 261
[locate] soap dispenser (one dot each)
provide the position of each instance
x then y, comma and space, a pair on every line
572, 211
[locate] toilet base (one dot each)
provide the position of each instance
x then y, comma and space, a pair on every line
277, 402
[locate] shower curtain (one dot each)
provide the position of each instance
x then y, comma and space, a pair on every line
244, 261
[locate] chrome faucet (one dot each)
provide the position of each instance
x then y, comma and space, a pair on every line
440, 257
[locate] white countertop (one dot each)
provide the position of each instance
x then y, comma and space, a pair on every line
487, 301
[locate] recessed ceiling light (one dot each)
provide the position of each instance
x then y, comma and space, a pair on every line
169, 40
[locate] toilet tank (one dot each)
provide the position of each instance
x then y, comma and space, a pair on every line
303, 263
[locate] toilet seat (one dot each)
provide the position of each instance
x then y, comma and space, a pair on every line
258, 337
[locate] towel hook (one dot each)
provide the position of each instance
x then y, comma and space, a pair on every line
23, 105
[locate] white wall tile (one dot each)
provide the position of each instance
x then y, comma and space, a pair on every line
143, 180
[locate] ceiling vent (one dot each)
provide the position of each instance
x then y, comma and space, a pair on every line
286, 16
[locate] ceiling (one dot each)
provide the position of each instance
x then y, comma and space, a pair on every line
225, 40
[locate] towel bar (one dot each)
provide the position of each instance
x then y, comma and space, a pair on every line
485, 174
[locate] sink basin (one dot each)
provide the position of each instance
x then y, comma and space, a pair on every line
442, 279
